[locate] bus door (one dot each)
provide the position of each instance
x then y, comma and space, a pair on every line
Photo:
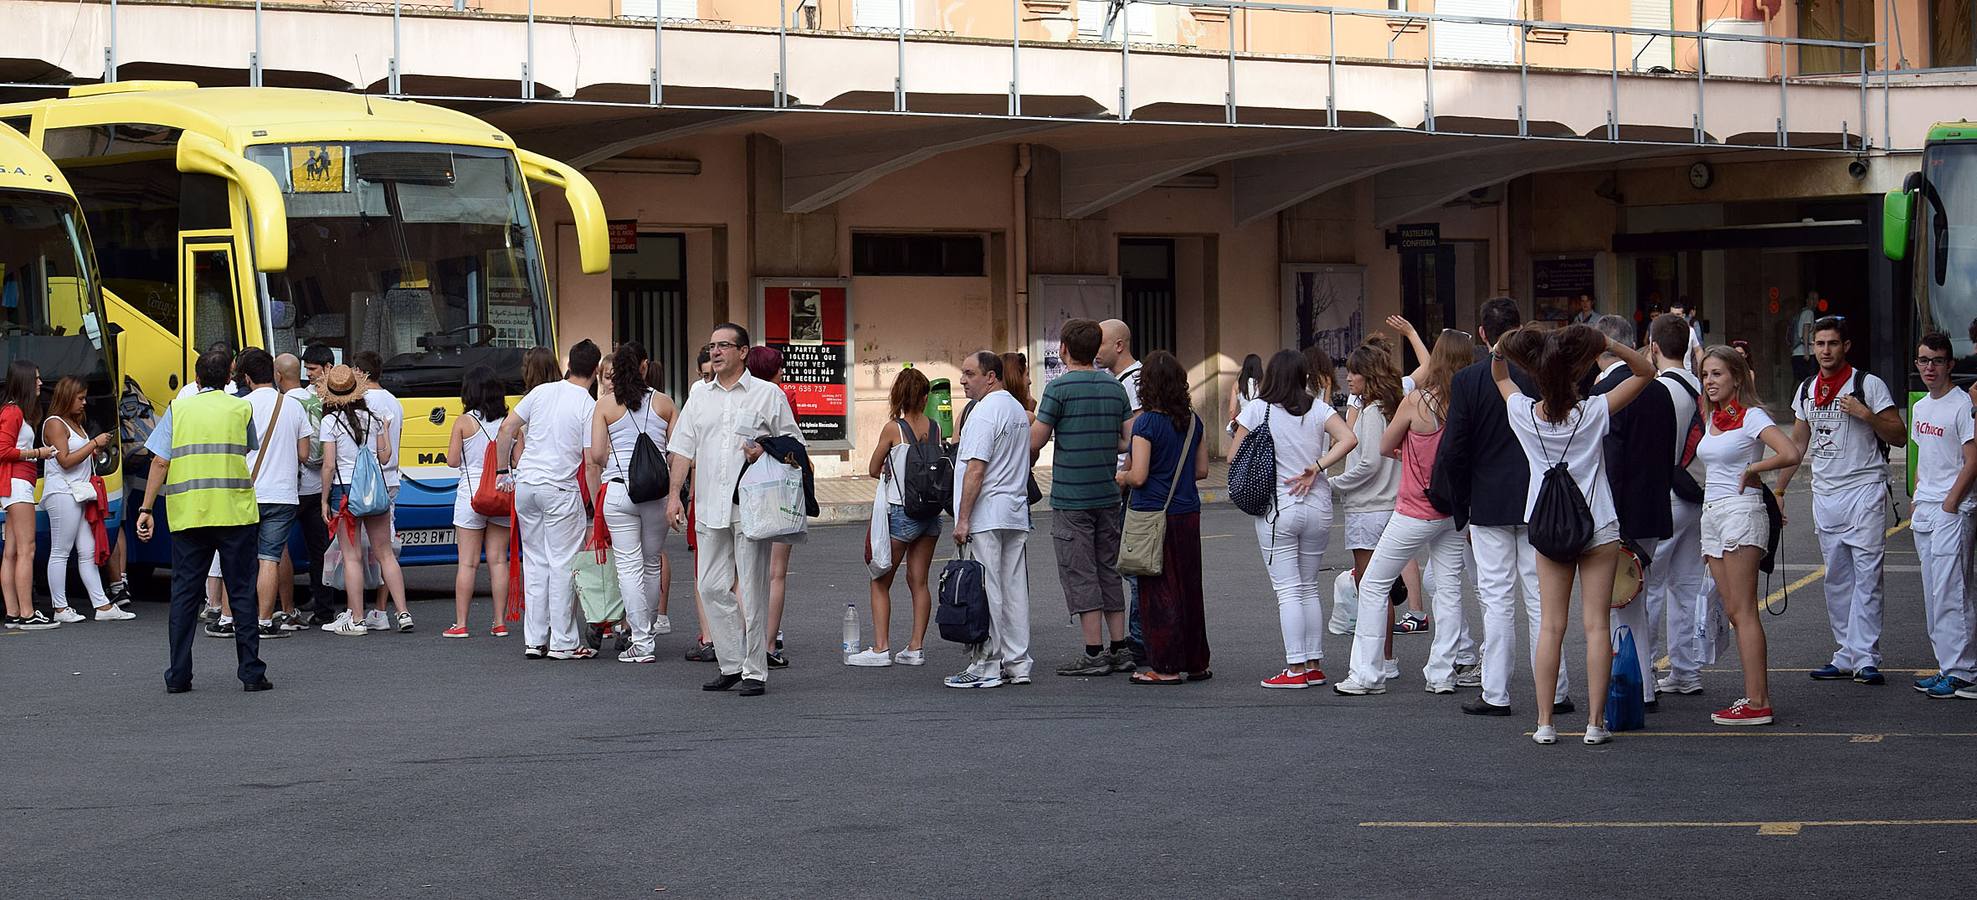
209, 289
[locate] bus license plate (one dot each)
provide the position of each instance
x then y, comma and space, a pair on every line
426, 537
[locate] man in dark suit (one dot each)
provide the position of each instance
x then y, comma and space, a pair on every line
1638, 448
1481, 478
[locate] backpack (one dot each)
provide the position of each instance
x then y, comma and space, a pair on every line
1253, 471
367, 495
136, 419
1561, 522
488, 499
1859, 392
927, 487
1683, 483
963, 613
647, 478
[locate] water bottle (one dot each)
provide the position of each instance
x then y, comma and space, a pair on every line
850, 630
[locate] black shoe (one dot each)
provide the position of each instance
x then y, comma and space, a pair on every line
752, 688
1482, 707
220, 629
177, 688
534, 652
262, 685
120, 595
723, 682
701, 653
270, 631
1563, 706
778, 661
1653, 706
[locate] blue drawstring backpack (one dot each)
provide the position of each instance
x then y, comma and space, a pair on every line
367, 496
1625, 710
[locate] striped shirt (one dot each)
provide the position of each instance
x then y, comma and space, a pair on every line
1087, 409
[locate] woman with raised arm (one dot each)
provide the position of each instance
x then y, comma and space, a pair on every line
66, 489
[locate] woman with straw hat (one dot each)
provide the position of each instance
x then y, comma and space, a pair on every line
348, 425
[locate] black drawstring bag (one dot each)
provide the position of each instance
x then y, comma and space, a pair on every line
1561, 522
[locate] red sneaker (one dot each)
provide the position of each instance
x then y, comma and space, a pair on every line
1314, 676
1289, 680
457, 631
498, 631
1742, 713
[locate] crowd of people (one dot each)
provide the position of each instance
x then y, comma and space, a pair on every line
1543, 459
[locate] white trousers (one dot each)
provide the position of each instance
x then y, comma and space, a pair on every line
1006, 578
1432, 541
70, 535
733, 578
552, 523
1674, 591
1636, 617
1943, 544
1506, 569
1293, 553
638, 544
1852, 538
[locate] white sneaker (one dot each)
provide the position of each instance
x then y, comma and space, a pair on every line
869, 658
1597, 735
635, 655
68, 616
1546, 734
404, 622
1352, 687
1392, 670
910, 657
348, 627
376, 620
114, 614
1441, 687
1669, 684
342, 619
1468, 675
662, 625
562, 654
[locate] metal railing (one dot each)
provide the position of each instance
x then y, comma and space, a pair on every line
1520, 30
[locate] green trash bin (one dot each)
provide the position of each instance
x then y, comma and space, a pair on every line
940, 406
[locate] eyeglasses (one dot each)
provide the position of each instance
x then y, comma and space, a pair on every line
1932, 361
719, 345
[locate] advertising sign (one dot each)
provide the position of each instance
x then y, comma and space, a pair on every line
809, 322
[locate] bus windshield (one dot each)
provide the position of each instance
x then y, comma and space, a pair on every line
424, 253
48, 298
1946, 269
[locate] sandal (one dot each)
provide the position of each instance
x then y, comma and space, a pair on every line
1150, 678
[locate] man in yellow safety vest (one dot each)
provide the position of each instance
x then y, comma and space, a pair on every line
201, 449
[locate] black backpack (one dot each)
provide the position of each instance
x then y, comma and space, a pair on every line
1253, 471
1561, 522
963, 613
1682, 484
927, 486
647, 478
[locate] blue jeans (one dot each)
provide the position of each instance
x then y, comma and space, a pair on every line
277, 523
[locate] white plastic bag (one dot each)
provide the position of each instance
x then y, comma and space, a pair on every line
878, 538
333, 563
772, 502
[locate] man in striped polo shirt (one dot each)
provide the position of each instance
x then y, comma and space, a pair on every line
1088, 413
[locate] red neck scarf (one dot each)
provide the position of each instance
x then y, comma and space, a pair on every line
1728, 417
1826, 389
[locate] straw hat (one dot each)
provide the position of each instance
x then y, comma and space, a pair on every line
342, 386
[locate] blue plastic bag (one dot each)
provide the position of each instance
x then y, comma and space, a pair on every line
1625, 709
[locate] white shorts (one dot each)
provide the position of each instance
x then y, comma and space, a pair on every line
1734, 522
464, 515
21, 491
1362, 530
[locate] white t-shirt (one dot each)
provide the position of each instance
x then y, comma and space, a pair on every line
1579, 440
280, 479
557, 419
997, 433
1942, 426
389, 409
1300, 440
310, 481
1843, 451
1130, 380
337, 430
1799, 325
1727, 454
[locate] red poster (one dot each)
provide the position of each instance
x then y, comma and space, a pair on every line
811, 326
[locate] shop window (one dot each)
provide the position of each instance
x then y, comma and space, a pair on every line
1951, 43
935, 255
1834, 20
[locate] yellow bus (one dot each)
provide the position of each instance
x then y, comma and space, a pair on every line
51, 304
286, 219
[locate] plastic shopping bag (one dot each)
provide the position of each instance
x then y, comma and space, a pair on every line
1626, 710
333, 564
596, 583
878, 538
772, 502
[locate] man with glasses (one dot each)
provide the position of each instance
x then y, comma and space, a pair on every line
992, 519
1946, 464
1846, 422
716, 437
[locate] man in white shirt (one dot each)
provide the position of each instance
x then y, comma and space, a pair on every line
274, 465
1674, 587
715, 436
1844, 418
992, 519
1802, 365
1115, 355
386, 406
548, 505
1946, 464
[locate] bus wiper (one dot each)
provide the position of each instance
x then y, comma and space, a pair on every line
1939, 233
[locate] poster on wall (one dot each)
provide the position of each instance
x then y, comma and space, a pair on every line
1325, 305
1561, 287
809, 322
1054, 300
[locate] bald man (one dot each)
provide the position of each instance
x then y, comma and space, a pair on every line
1115, 355
320, 605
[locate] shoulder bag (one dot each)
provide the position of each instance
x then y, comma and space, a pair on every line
1142, 543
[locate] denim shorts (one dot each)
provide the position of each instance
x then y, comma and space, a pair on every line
277, 523
906, 529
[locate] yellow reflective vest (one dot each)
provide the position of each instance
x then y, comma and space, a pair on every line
208, 483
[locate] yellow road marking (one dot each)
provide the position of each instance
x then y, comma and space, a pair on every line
1819, 573
1779, 828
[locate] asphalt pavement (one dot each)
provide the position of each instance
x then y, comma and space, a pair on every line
401, 765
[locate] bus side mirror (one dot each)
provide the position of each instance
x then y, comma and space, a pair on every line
1897, 213
586, 207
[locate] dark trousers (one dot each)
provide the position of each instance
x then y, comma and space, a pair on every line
1175, 621
1135, 632
192, 554
315, 533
